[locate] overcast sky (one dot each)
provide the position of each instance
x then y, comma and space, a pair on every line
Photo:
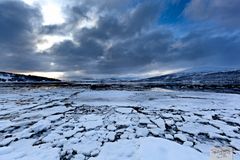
110, 38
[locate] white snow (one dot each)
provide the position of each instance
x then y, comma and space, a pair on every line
159, 122
169, 136
111, 136
147, 149
142, 132
86, 148
111, 127
180, 137
124, 110
40, 124
156, 131
23, 150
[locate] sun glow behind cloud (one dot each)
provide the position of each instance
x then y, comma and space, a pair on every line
159, 72
57, 75
51, 10
46, 42
52, 15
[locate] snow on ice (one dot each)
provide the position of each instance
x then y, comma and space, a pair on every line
81, 124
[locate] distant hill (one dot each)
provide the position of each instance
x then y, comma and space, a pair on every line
12, 77
199, 78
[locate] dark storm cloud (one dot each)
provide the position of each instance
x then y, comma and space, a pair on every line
224, 12
195, 49
18, 27
110, 27
137, 53
129, 36
54, 29
209, 49
70, 56
93, 42
132, 41
114, 21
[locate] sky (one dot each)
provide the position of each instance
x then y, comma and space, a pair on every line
74, 39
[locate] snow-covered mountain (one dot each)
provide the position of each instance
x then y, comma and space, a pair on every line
12, 77
199, 78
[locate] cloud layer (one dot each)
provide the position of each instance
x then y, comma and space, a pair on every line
119, 38
19, 25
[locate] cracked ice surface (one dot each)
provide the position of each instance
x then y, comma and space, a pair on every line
79, 124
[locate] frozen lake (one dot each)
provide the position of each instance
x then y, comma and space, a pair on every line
79, 124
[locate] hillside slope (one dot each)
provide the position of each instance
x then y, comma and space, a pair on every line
199, 78
12, 77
